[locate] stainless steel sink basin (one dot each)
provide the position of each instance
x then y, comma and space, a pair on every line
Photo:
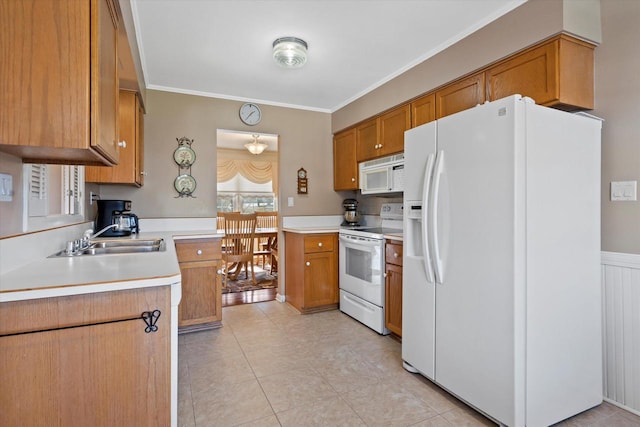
133, 243
107, 247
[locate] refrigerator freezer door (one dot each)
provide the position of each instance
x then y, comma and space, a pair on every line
475, 326
418, 286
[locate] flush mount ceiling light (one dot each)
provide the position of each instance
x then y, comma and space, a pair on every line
255, 147
290, 52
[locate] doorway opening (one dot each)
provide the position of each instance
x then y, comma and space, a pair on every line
248, 183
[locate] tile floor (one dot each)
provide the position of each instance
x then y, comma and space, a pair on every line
270, 366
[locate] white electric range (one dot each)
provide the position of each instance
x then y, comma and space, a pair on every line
361, 271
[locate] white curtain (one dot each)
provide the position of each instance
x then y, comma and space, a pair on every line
233, 162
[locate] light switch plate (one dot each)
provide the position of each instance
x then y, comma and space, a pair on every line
624, 191
6, 187
289, 201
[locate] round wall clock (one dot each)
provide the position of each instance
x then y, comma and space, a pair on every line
185, 184
250, 114
184, 156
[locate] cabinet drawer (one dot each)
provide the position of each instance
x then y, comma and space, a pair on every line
319, 243
393, 253
198, 250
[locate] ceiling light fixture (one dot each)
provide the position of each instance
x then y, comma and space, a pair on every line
290, 52
255, 147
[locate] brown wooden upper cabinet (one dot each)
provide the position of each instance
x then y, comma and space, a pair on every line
383, 135
59, 100
423, 110
345, 165
558, 73
367, 140
130, 168
460, 95
392, 127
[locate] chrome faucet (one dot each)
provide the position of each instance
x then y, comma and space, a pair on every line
88, 234
74, 246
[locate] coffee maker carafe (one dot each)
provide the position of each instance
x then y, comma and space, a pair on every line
116, 212
351, 215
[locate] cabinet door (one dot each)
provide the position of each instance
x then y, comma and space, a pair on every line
345, 164
460, 95
557, 73
392, 127
367, 140
111, 374
127, 170
201, 293
532, 74
423, 110
320, 284
139, 138
393, 299
104, 79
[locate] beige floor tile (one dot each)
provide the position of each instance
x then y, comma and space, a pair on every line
316, 369
331, 412
388, 405
186, 417
617, 420
225, 370
295, 388
430, 393
438, 421
231, 405
467, 417
281, 359
270, 421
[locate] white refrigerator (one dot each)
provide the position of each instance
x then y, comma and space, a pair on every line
501, 279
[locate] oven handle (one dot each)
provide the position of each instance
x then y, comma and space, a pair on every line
358, 243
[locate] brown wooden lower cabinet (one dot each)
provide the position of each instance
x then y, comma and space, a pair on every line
393, 286
311, 271
201, 304
110, 374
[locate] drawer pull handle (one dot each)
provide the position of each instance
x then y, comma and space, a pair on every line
320, 244
308, 263
199, 251
395, 255
122, 144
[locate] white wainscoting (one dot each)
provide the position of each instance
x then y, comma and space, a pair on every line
621, 329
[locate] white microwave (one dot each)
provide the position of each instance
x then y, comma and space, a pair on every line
383, 175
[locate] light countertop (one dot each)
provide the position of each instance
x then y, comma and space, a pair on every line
63, 276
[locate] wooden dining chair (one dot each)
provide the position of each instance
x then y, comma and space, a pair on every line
274, 256
238, 242
262, 249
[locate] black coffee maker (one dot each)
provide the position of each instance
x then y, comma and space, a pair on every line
116, 212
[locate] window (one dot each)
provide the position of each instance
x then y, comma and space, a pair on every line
53, 196
246, 202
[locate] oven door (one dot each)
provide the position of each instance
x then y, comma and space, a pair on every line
362, 267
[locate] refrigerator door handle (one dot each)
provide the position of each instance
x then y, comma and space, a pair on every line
426, 186
439, 272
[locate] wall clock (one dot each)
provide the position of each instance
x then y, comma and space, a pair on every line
303, 186
250, 114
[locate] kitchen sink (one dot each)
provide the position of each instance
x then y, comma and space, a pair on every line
108, 247
129, 243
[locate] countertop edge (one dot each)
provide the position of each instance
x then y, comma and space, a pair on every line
133, 271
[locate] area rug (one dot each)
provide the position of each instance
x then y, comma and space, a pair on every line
264, 280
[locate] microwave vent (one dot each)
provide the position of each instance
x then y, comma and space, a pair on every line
384, 160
